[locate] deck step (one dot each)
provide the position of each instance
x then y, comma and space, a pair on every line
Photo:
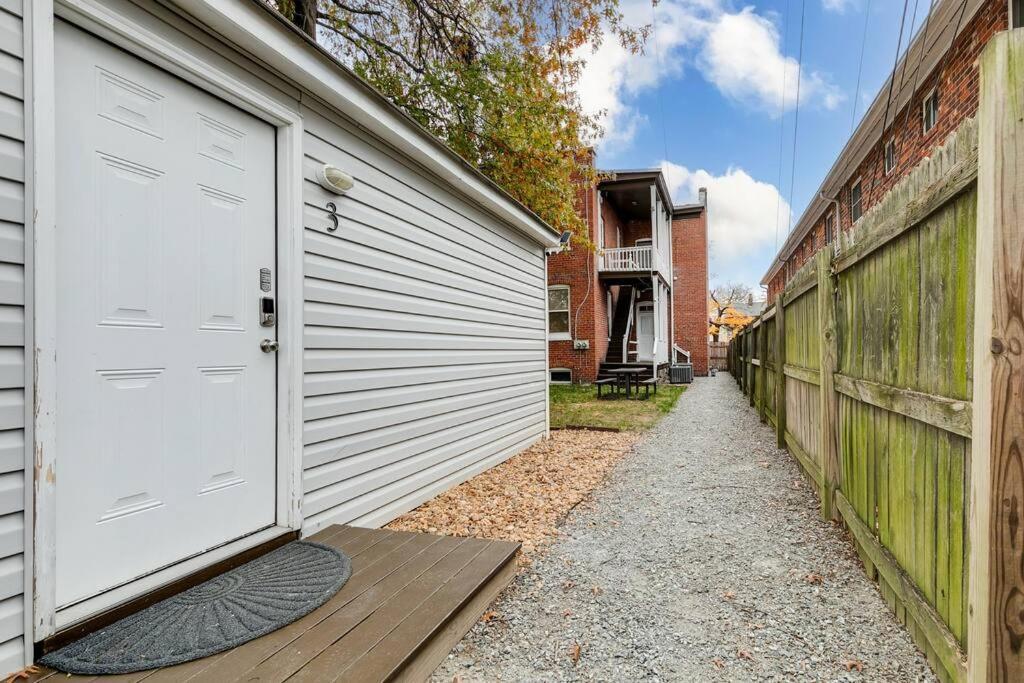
410, 600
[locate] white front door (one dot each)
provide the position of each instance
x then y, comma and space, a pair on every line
645, 331
165, 400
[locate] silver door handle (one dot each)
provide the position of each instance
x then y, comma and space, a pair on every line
269, 345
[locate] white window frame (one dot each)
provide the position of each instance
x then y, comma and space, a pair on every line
889, 162
561, 336
859, 186
644, 242
830, 230
932, 94
217, 78
553, 370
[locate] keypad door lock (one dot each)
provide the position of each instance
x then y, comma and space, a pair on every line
268, 316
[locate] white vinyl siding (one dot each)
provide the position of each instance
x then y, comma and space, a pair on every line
424, 340
12, 337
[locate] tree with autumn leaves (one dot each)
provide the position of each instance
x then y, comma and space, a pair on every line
493, 79
722, 311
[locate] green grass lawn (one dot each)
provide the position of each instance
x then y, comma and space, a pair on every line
577, 406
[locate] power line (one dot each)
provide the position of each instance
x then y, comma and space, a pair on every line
796, 113
781, 125
860, 67
917, 73
657, 63
895, 65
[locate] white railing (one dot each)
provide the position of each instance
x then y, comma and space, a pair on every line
626, 259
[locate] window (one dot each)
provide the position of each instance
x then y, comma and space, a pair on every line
930, 110
561, 376
856, 207
644, 242
890, 156
830, 227
558, 312
1016, 13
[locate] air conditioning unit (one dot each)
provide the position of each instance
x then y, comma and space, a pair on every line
681, 373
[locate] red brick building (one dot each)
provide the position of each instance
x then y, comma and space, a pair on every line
639, 296
934, 88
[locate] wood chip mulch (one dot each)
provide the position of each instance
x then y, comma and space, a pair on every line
525, 498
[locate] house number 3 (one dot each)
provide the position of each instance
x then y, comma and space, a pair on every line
332, 215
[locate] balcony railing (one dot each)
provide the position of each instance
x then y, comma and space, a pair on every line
627, 259
632, 259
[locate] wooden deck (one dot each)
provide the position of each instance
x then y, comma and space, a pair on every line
410, 599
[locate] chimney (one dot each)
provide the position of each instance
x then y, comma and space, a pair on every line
702, 196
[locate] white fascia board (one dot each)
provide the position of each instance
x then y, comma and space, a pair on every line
271, 41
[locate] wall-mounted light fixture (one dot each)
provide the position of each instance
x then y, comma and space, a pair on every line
333, 179
563, 243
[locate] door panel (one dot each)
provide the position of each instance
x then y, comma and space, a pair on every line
645, 332
166, 403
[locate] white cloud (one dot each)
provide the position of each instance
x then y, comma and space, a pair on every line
613, 76
742, 57
738, 52
741, 219
839, 6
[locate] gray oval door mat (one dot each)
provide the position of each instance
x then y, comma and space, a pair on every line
242, 604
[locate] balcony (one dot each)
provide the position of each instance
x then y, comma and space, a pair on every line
643, 259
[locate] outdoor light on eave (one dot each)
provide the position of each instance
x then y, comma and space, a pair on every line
334, 180
563, 244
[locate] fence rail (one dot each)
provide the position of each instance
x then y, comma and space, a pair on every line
883, 368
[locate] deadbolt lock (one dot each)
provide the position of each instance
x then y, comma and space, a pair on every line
268, 317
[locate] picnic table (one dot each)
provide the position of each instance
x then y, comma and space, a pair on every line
629, 377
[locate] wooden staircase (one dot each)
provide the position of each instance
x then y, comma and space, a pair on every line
620, 321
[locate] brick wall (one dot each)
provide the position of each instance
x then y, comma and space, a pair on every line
957, 83
577, 268
690, 287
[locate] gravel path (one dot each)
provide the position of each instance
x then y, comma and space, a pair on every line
702, 558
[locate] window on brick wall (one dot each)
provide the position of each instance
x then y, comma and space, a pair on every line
830, 227
856, 201
890, 156
561, 376
930, 110
558, 312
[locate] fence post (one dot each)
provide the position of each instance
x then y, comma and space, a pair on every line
996, 591
751, 347
780, 370
762, 356
828, 400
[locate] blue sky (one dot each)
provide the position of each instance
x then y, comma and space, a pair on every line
716, 71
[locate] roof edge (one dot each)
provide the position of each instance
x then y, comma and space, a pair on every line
869, 129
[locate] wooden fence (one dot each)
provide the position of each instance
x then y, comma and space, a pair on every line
717, 355
891, 367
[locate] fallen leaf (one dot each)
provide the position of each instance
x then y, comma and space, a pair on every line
568, 585
851, 664
24, 674
489, 616
728, 595
574, 653
596, 590
527, 497
813, 577
743, 654
719, 664
567, 613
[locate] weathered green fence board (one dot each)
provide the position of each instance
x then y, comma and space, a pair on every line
903, 316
